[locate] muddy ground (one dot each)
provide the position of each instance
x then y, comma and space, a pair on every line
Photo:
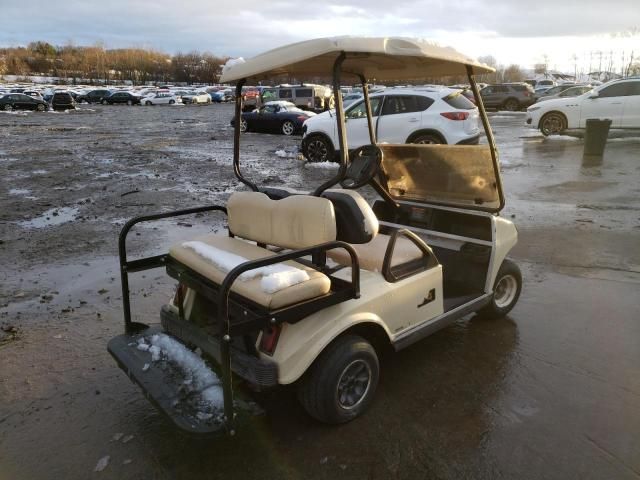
552, 391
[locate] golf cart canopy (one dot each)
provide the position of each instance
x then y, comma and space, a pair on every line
379, 58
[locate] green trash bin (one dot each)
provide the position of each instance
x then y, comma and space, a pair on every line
595, 136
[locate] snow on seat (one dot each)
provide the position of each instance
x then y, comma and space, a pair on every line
371, 255
252, 288
295, 223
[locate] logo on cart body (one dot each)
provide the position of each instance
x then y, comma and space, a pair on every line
431, 296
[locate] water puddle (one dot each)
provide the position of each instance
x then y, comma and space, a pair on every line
53, 216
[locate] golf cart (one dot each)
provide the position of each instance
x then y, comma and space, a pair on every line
305, 287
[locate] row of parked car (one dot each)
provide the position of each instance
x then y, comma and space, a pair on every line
21, 98
443, 115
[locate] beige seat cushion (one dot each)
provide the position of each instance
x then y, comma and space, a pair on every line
318, 283
371, 255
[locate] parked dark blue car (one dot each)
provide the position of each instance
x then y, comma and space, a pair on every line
276, 117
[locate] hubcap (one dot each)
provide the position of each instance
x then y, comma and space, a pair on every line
353, 384
425, 141
287, 128
317, 151
505, 291
243, 126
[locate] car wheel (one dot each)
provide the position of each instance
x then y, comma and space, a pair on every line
506, 291
553, 123
318, 149
341, 383
171, 102
512, 105
8, 107
129, 102
427, 139
147, 102
288, 127
40, 107
104, 102
243, 125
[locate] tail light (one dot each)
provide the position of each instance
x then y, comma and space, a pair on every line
269, 340
455, 115
302, 118
527, 94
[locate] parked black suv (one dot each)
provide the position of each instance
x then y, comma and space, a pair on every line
94, 96
508, 96
62, 101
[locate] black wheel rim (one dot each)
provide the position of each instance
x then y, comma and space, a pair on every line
317, 151
353, 384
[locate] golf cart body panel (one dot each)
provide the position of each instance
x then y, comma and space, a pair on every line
302, 279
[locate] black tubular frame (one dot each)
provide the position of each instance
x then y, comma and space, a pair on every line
487, 129
127, 267
342, 131
236, 137
367, 103
413, 266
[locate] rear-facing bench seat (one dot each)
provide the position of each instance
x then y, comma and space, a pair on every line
292, 223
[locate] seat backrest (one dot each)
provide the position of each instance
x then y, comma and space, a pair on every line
299, 221
355, 220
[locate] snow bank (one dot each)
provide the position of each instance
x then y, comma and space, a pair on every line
274, 277
323, 165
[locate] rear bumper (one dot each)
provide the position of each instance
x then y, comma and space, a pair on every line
250, 368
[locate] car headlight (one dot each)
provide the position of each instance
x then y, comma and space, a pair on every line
532, 109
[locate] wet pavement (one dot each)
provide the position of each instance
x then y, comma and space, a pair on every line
552, 391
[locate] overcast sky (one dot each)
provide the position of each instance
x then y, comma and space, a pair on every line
513, 31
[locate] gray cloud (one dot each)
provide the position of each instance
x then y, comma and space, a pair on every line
252, 26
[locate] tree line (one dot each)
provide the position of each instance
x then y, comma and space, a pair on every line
96, 64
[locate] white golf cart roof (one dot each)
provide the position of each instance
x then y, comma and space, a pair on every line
379, 58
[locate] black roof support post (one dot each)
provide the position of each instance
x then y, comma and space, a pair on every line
236, 137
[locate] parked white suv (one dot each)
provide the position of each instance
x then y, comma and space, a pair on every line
618, 101
400, 115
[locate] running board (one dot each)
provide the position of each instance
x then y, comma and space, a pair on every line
164, 386
425, 329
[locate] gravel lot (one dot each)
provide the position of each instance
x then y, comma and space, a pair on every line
552, 391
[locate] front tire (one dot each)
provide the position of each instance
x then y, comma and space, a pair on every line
171, 102
104, 102
8, 108
129, 102
288, 128
147, 103
243, 125
318, 149
40, 107
506, 291
341, 383
553, 123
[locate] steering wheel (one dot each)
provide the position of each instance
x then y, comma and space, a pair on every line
364, 164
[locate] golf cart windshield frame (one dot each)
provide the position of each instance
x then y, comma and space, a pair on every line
380, 186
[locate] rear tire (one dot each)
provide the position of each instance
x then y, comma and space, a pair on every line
8, 107
243, 125
40, 107
427, 139
342, 381
288, 128
512, 105
171, 102
129, 102
147, 102
506, 291
104, 102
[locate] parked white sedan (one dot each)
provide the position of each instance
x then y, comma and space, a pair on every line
161, 98
618, 101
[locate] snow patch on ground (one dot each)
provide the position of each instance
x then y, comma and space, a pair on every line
322, 165
102, 463
284, 154
53, 216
